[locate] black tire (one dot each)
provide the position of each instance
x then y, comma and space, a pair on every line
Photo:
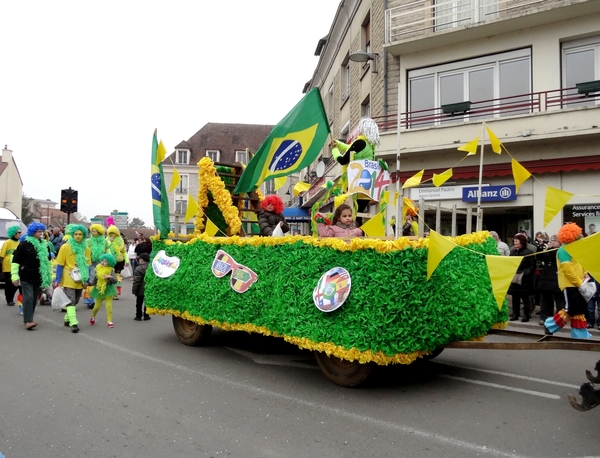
433, 354
342, 372
191, 333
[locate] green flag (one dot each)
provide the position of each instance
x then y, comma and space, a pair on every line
291, 146
160, 200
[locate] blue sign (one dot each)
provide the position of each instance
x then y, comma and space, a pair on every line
490, 193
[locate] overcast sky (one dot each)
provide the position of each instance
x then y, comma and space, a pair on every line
84, 84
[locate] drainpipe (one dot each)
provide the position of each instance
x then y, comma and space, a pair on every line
385, 59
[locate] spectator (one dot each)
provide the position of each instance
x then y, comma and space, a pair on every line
522, 286
547, 285
502, 247
144, 245
56, 239
132, 254
139, 284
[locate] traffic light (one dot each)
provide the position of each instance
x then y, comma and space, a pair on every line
65, 200
73, 201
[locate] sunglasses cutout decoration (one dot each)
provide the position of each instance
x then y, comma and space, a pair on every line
242, 277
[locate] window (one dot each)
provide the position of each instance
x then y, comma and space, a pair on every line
270, 187
506, 76
241, 156
365, 108
180, 207
182, 187
365, 35
346, 79
182, 156
581, 64
330, 103
456, 13
213, 155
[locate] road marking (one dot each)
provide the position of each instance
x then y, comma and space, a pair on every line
507, 374
502, 387
313, 405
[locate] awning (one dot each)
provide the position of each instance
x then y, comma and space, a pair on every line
296, 214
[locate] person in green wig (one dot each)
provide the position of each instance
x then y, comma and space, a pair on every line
8, 247
72, 270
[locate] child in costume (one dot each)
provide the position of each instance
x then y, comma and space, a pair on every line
98, 246
342, 224
139, 285
72, 270
272, 216
570, 278
31, 269
8, 247
118, 250
104, 281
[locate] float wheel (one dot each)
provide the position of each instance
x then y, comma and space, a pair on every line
191, 333
433, 354
343, 372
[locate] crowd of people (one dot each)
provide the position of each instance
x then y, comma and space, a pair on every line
80, 263
540, 281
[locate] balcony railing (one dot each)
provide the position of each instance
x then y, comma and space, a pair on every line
483, 110
421, 18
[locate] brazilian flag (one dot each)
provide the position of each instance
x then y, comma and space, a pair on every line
160, 201
291, 146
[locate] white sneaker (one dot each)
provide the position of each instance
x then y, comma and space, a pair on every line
20, 310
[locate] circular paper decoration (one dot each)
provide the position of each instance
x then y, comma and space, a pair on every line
332, 289
164, 266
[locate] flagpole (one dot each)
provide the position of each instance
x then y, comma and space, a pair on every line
479, 225
399, 200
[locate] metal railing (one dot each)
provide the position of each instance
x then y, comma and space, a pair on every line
558, 99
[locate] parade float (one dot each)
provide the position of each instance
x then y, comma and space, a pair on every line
355, 303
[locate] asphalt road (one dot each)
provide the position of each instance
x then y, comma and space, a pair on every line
135, 391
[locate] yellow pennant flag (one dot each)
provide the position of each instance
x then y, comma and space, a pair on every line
496, 144
585, 252
374, 227
413, 181
440, 179
406, 204
396, 195
470, 147
161, 153
211, 230
279, 182
556, 199
192, 209
439, 247
501, 270
301, 186
175, 181
520, 174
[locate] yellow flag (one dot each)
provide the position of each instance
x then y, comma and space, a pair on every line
175, 181
374, 227
396, 195
556, 199
440, 179
496, 144
413, 181
192, 209
470, 147
339, 200
161, 153
279, 182
439, 247
301, 186
409, 204
501, 270
585, 252
211, 230
520, 174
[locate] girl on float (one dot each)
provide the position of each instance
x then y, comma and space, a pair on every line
342, 225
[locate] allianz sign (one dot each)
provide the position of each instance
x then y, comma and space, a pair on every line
490, 193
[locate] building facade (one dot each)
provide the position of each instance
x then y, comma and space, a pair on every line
222, 143
11, 184
431, 73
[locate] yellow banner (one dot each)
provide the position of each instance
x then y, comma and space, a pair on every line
585, 252
556, 199
413, 181
470, 147
501, 270
440, 179
439, 247
175, 181
520, 174
301, 186
211, 229
192, 209
496, 145
279, 182
374, 227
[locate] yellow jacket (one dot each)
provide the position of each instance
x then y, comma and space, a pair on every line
570, 272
